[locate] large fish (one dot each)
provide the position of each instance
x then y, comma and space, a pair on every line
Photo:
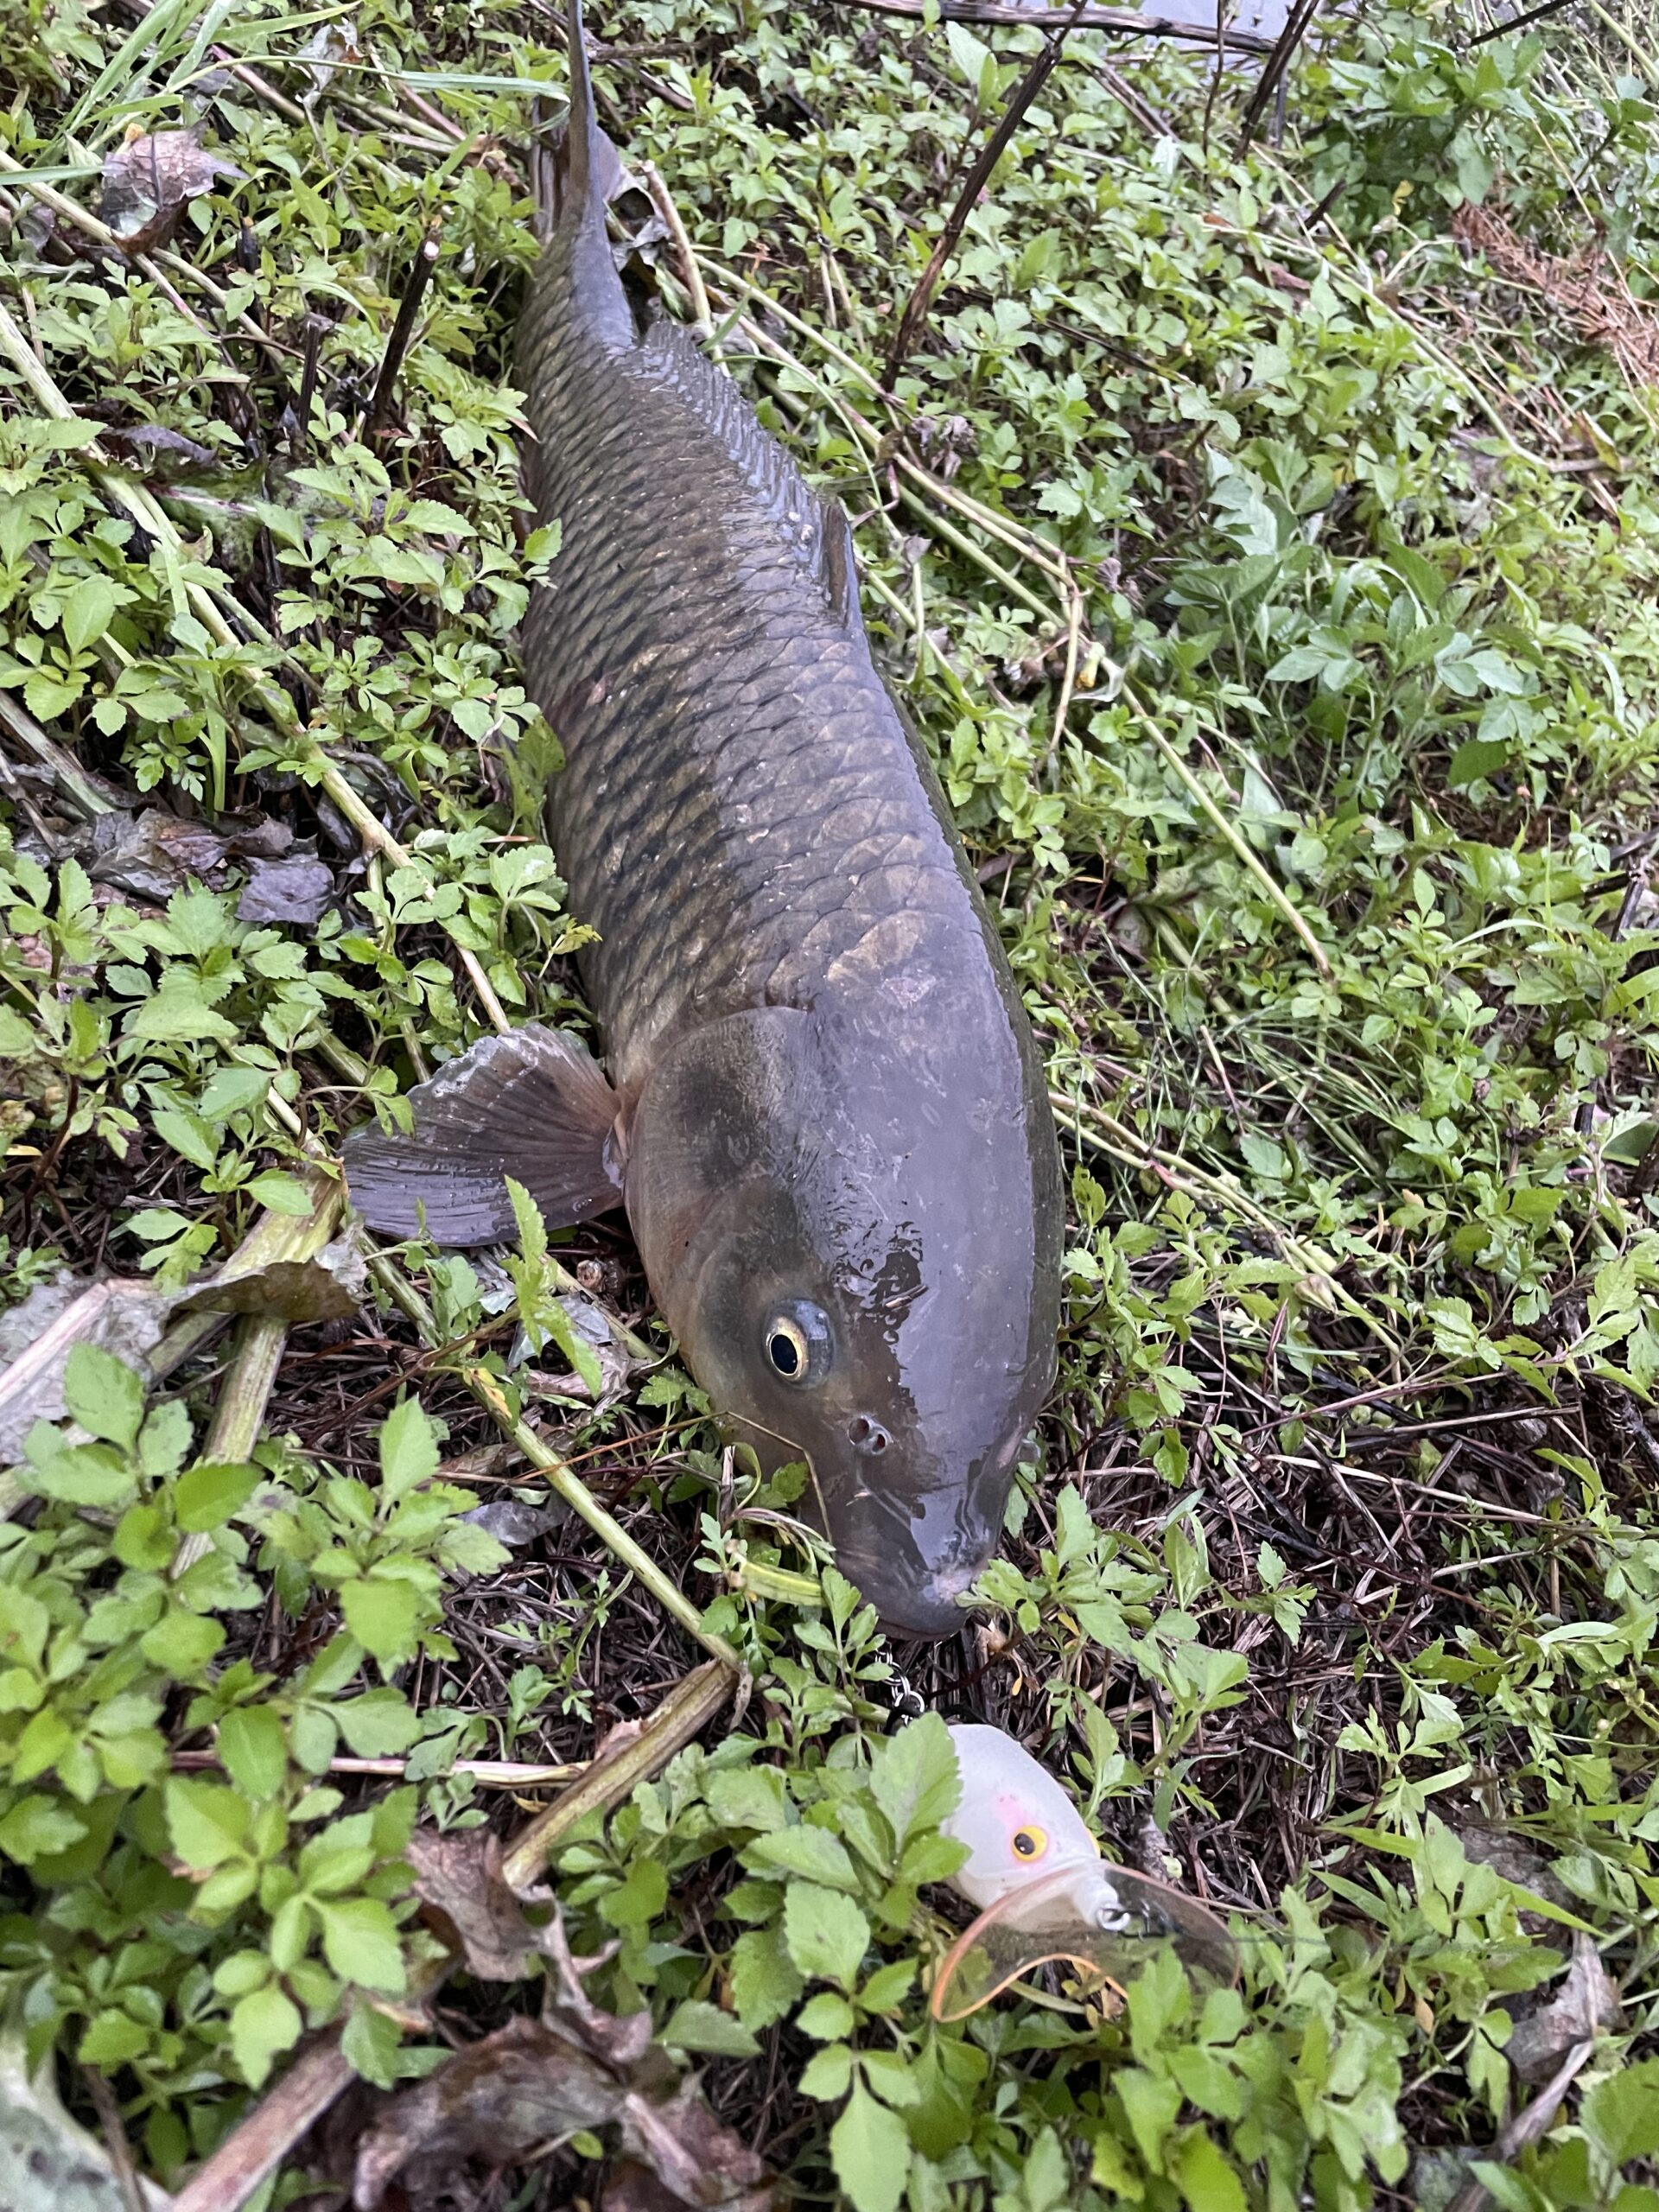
823, 1111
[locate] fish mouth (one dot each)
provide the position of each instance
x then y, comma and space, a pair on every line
925, 1608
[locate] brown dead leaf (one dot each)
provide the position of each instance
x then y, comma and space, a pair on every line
1586, 2002
496, 2101
695, 2159
458, 1879
534, 2082
1591, 290
297, 891
148, 179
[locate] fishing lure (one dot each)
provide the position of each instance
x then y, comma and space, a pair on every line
1045, 1894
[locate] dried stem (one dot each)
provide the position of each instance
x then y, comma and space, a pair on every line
662, 201
915, 313
687, 1709
409, 309
260, 1343
1018, 16
1275, 891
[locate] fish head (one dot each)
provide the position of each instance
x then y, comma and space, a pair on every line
853, 1251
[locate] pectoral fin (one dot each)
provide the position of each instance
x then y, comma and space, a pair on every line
533, 1105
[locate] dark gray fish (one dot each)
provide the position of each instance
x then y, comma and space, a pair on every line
824, 1113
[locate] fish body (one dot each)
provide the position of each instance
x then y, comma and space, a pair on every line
826, 1115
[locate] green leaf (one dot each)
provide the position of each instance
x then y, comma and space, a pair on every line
253, 1750
1620, 2114
207, 1823
38, 1828
263, 2024
408, 1449
205, 1498
1206, 2179
48, 696
385, 1617
696, 2026
826, 1934
106, 1398
233, 1091
360, 1940
827, 2018
381, 1724
177, 1015
914, 1776
810, 1852
187, 1136
283, 1194
87, 612
112, 2039
1475, 760
827, 2074
637, 1898
871, 2153
765, 1980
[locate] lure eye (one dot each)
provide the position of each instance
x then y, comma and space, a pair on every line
798, 1343
1029, 1844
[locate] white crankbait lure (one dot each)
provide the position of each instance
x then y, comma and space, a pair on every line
1043, 1889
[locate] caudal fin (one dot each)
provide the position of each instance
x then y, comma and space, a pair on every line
578, 172
533, 1105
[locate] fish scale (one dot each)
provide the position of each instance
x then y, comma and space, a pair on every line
726, 782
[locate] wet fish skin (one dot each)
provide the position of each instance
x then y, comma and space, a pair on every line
831, 1112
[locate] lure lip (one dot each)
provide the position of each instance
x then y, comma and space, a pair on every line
1104, 1926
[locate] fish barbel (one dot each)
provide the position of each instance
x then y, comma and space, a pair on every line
823, 1109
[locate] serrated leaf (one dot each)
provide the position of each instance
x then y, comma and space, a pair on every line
381, 1724
87, 612
205, 1498
765, 1979
253, 1750
360, 1940
810, 1852
385, 1617
263, 2024
207, 1822
826, 1934
870, 2150
914, 1776
38, 1828
696, 2026
408, 1449
105, 1396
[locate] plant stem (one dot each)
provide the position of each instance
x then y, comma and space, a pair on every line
688, 1708
487, 1389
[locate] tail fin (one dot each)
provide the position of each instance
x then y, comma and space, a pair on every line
583, 127
580, 172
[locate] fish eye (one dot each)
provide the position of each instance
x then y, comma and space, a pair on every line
1030, 1843
797, 1342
